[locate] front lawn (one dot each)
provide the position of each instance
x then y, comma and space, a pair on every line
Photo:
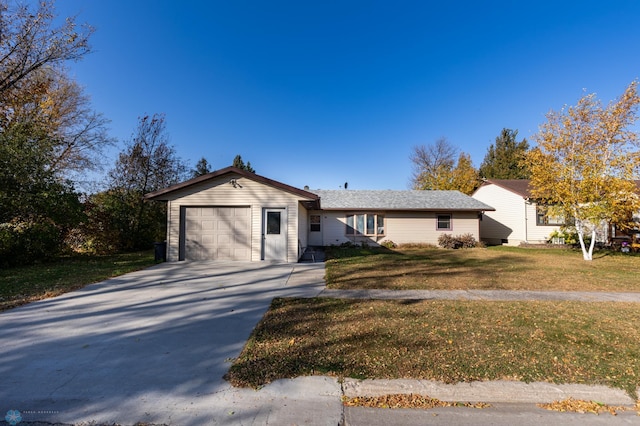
450, 341
508, 268
455, 341
24, 284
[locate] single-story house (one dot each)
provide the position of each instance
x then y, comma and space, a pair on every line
234, 214
517, 217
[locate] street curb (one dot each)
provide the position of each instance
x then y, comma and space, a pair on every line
490, 392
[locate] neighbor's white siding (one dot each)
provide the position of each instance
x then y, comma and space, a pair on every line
537, 233
219, 192
507, 223
514, 219
400, 227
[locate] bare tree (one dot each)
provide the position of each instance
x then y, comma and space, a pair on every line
148, 163
435, 167
432, 164
30, 41
59, 108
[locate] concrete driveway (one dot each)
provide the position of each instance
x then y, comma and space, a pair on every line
152, 346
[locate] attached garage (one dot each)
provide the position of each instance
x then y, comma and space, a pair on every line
233, 214
216, 233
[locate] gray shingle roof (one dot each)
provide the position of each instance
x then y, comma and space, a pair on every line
398, 200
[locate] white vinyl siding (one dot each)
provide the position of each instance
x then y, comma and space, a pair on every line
248, 193
303, 223
507, 222
514, 219
537, 233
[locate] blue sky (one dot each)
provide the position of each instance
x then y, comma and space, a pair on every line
324, 92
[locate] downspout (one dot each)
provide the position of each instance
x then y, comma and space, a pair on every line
526, 224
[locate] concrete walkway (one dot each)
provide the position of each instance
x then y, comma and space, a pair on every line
506, 295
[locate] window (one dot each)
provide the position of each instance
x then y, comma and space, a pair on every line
273, 223
443, 222
544, 216
314, 223
365, 224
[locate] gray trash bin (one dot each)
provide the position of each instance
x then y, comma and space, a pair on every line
160, 251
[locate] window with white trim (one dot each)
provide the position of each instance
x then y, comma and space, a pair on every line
369, 224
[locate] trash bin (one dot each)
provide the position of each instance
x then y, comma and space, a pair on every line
160, 250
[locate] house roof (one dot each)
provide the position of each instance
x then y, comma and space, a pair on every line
163, 193
398, 200
517, 186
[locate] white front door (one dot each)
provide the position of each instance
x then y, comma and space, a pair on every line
315, 229
274, 228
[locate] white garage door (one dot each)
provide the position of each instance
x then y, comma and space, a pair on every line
217, 233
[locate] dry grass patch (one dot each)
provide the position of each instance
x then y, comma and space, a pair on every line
448, 341
494, 268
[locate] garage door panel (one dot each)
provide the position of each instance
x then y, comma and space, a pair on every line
225, 239
223, 226
213, 233
242, 240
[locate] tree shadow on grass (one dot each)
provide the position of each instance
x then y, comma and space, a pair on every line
425, 268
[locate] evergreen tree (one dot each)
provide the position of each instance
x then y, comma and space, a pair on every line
504, 160
202, 168
237, 162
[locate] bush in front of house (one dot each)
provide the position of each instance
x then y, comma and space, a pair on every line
388, 244
449, 241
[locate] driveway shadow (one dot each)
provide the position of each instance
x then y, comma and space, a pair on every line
147, 346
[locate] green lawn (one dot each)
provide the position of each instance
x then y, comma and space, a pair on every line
24, 284
455, 341
508, 268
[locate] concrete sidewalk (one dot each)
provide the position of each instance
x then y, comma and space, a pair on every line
505, 295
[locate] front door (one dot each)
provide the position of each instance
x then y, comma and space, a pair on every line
274, 228
315, 229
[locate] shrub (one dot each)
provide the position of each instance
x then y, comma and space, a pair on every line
565, 236
467, 241
28, 241
388, 244
449, 241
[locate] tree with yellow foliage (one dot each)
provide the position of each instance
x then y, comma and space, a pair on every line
585, 163
435, 168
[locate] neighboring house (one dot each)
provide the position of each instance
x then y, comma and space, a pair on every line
233, 214
517, 217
